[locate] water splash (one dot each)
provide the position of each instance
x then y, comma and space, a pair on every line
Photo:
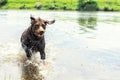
31, 71
15, 66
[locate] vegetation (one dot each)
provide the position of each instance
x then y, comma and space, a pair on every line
87, 5
3, 2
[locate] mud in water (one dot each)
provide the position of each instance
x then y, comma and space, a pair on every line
31, 71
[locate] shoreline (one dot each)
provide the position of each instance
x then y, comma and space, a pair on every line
70, 5
62, 10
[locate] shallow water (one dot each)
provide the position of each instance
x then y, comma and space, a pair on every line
79, 46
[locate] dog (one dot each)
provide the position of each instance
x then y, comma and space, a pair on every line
32, 39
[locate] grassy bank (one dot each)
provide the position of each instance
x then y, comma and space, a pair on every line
41, 4
107, 5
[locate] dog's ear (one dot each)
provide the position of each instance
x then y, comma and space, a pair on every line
49, 22
32, 19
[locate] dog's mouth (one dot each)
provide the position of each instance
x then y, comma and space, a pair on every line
39, 34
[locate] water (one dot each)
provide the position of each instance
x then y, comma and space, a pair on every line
79, 46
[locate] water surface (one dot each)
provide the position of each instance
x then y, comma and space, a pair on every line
79, 46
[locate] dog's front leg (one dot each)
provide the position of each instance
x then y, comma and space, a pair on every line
27, 51
42, 54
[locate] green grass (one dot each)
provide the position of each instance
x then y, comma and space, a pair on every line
110, 4
62, 4
46, 4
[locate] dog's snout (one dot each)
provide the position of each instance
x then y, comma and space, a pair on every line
41, 32
41, 29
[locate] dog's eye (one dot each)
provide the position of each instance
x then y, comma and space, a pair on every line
36, 26
44, 26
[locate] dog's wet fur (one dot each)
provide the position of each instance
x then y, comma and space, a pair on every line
33, 39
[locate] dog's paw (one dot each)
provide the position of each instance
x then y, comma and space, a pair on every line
43, 62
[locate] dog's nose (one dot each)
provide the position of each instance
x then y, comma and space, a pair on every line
41, 32
41, 29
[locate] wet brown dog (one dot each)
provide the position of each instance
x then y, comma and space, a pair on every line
32, 38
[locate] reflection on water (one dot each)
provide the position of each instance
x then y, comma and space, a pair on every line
92, 55
87, 20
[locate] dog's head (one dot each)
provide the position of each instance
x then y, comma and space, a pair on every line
39, 25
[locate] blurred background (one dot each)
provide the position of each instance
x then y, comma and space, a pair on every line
86, 5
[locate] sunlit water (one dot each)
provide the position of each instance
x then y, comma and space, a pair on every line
79, 46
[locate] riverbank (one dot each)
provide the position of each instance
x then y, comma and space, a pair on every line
84, 5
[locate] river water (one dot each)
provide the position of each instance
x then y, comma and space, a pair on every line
79, 45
